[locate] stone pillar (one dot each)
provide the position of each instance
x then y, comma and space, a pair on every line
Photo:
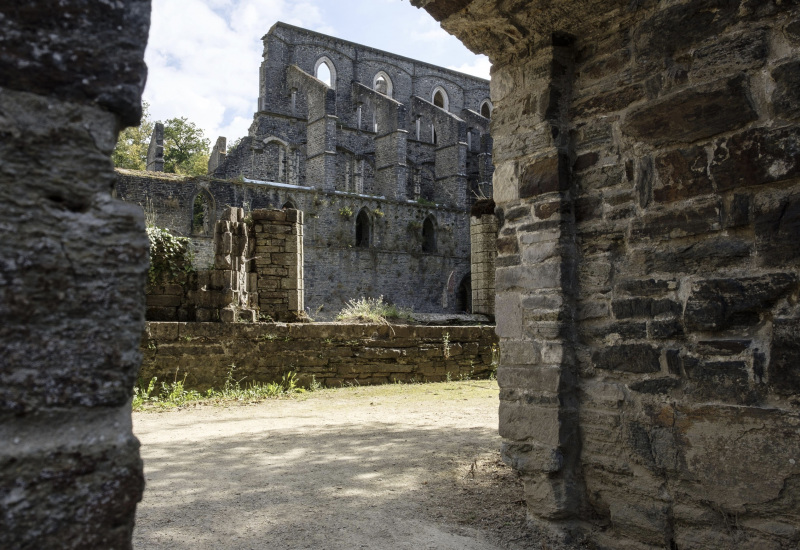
535, 281
483, 245
279, 263
74, 264
218, 154
227, 292
155, 151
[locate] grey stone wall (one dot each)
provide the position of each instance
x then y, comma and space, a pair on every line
647, 277
73, 273
334, 354
483, 240
335, 269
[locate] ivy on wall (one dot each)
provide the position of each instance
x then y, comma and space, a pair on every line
170, 256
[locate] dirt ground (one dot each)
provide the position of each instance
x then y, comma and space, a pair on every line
394, 467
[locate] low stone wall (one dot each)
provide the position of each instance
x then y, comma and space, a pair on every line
335, 354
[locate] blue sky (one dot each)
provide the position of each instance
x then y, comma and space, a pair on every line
203, 55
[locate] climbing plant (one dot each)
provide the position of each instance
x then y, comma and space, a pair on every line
169, 255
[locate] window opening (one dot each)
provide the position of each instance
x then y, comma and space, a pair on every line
486, 109
201, 214
289, 205
325, 71
362, 229
464, 295
383, 84
440, 98
428, 236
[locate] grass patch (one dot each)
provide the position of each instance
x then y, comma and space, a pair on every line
175, 394
372, 310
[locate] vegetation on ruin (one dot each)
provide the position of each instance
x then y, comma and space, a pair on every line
174, 394
372, 310
170, 256
186, 150
131, 149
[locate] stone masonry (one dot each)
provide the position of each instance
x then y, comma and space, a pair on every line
648, 191
483, 252
73, 263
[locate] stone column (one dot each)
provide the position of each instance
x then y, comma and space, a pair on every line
73, 263
155, 151
279, 263
535, 289
483, 243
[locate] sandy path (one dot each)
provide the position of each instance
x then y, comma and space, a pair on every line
383, 467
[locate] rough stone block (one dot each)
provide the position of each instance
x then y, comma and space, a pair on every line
545, 175
683, 174
694, 114
783, 370
635, 358
777, 224
717, 304
786, 97
756, 157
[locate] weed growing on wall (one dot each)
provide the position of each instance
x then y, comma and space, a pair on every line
372, 310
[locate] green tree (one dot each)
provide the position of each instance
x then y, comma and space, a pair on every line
131, 149
185, 148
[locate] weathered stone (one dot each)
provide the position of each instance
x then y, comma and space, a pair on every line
693, 114
657, 386
694, 220
783, 372
546, 175
644, 307
777, 226
683, 174
609, 102
635, 358
756, 157
718, 304
786, 97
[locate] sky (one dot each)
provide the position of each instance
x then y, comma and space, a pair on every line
204, 55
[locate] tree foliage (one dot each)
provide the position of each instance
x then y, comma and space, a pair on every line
185, 147
186, 150
131, 149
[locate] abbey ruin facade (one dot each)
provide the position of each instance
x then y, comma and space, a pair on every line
385, 159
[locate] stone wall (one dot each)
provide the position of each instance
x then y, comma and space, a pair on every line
335, 269
72, 274
647, 279
334, 354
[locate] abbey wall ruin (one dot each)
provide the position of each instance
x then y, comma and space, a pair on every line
647, 194
384, 158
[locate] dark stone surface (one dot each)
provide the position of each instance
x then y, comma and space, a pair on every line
718, 304
696, 257
669, 224
722, 347
784, 369
629, 330
635, 358
663, 330
786, 97
657, 386
546, 175
693, 114
88, 51
643, 287
777, 226
644, 307
723, 380
70, 499
609, 102
683, 174
756, 157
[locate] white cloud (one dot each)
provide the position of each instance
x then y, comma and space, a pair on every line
204, 55
480, 67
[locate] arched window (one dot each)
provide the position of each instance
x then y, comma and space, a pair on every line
201, 213
289, 205
486, 109
363, 229
325, 70
383, 84
434, 139
429, 235
440, 99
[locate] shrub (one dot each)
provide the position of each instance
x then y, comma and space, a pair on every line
372, 310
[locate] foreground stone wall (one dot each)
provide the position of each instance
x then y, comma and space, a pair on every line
72, 274
334, 354
647, 279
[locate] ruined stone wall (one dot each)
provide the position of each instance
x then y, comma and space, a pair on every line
647, 277
73, 273
335, 354
335, 269
483, 241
